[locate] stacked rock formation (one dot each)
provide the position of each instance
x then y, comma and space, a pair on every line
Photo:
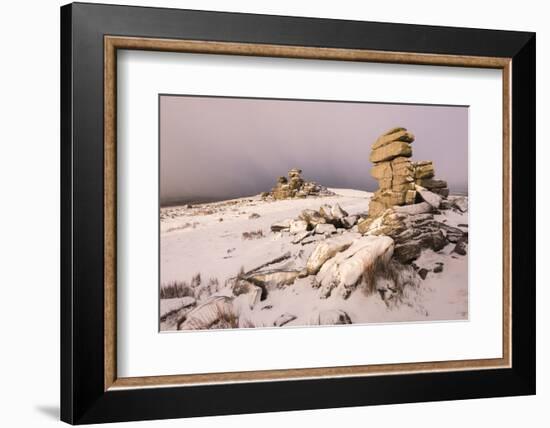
295, 187
400, 181
393, 170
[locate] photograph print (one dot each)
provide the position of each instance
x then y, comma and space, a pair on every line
298, 213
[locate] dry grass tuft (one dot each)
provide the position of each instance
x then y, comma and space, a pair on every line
253, 234
176, 289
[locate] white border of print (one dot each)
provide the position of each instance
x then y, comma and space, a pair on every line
142, 351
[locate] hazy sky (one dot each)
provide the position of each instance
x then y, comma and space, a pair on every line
219, 148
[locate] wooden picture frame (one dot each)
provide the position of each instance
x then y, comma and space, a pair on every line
91, 391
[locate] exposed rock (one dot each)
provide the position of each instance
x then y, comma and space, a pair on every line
423, 169
284, 319
395, 134
407, 252
443, 192
329, 317
461, 203
423, 273
297, 226
312, 217
438, 268
433, 199
325, 211
275, 278
390, 151
453, 234
301, 236
420, 208
327, 249
325, 229
311, 239
337, 212
430, 183
250, 298
348, 267
461, 247
349, 221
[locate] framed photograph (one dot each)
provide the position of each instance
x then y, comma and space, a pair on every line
277, 213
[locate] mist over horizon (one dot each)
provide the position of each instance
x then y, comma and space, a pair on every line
223, 148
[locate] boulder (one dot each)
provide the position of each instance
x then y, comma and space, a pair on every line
349, 221
337, 212
420, 208
390, 151
453, 234
326, 212
346, 268
395, 134
312, 217
329, 317
325, 229
423, 169
433, 199
461, 247
461, 203
274, 278
299, 237
443, 192
430, 183
389, 223
328, 249
281, 225
284, 319
297, 226
407, 252
250, 299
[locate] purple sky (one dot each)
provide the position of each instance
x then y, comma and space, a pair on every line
220, 148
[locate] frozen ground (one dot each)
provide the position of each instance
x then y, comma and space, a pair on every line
218, 240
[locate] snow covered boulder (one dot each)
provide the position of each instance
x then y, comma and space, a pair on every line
252, 292
298, 226
347, 268
325, 229
430, 197
461, 203
330, 317
284, 319
312, 217
326, 212
299, 237
275, 278
349, 221
327, 249
337, 212
420, 208
281, 225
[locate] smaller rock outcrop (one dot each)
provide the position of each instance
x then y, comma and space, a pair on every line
294, 186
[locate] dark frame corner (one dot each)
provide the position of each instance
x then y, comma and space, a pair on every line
84, 398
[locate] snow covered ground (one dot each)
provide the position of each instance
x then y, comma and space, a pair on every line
216, 241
